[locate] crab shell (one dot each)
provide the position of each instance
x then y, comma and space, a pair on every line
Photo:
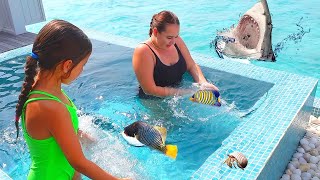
241, 159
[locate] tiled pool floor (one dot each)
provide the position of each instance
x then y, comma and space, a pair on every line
4, 176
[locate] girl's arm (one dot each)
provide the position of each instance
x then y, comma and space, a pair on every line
59, 124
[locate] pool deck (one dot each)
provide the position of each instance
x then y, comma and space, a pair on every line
9, 42
269, 136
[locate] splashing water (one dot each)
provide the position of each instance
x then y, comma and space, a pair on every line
108, 150
295, 37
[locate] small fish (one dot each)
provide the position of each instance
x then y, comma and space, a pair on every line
152, 136
207, 97
237, 157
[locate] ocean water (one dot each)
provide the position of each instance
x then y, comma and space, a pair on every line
106, 95
296, 32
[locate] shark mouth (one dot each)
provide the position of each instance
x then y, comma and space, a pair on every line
248, 32
251, 38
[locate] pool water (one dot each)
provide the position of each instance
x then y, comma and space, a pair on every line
295, 25
107, 96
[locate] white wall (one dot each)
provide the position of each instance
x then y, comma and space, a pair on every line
17, 19
32, 11
1, 15
16, 14
5, 19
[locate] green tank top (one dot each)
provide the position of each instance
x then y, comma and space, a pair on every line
47, 159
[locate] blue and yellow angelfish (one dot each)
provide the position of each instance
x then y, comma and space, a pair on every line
210, 97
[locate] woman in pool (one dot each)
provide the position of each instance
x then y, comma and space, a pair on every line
160, 61
49, 118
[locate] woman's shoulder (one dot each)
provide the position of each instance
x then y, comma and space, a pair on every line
142, 47
180, 43
142, 50
143, 57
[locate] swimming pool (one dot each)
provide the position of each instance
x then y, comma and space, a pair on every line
199, 22
107, 94
259, 135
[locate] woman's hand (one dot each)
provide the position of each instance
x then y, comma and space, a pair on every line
208, 86
182, 92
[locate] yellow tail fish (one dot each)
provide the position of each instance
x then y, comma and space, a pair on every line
152, 136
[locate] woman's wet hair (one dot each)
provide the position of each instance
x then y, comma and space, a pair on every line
56, 42
161, 20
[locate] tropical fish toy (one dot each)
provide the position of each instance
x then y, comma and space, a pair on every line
140, 133
210, 97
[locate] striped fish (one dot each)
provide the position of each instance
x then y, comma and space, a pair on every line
210, 97
152, 136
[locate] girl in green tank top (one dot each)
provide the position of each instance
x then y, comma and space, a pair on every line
48, 117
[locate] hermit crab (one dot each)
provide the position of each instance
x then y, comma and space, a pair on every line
238, 157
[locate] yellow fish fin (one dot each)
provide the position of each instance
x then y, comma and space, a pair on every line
172, 151
163, 132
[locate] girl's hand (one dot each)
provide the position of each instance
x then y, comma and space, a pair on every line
85, 137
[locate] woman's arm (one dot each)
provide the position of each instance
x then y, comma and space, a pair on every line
59, 124
143, 64
192, 67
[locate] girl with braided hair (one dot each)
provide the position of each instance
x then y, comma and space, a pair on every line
48, 117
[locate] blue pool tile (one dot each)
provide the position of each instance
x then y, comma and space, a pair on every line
4, 176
